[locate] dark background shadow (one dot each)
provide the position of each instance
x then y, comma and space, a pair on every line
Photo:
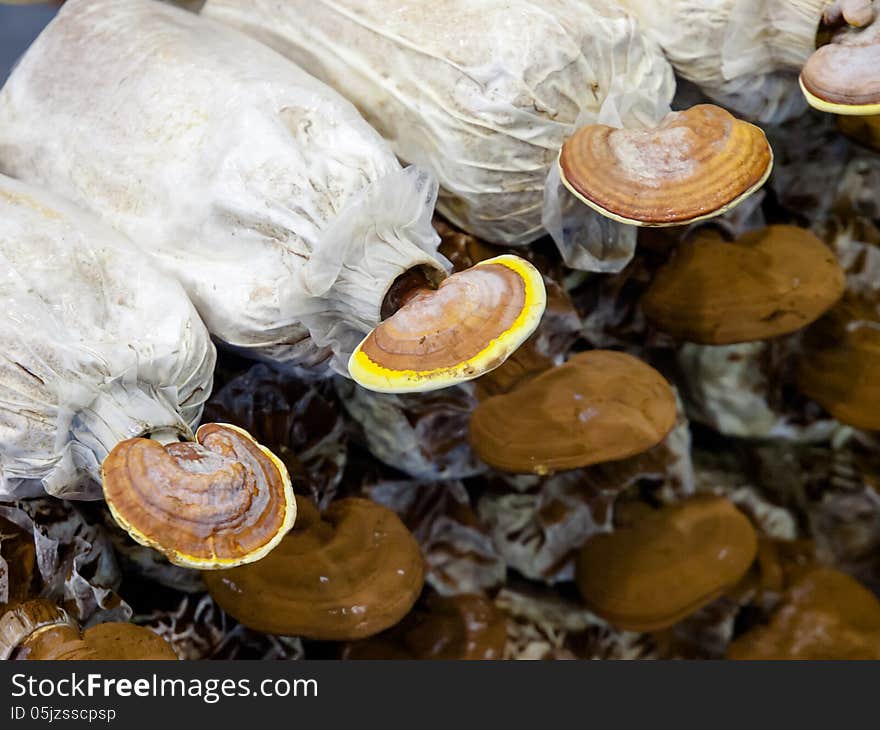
19, 25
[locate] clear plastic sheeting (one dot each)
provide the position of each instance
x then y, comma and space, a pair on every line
97, 346
483, 93
283, 214
743, 54
75, 560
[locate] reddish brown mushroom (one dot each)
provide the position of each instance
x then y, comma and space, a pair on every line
840, 364
456, 627
667, 564
824, 615
599, 406
220, 501
18, 556
349, 573
40, 630
694, 165
465, 327
765, 284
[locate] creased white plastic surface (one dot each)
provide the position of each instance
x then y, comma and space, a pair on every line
96, 346
481, 92
283, 214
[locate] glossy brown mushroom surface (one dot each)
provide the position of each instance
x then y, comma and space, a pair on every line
599, 406
220, 501
694, 165
456, 627
765, 284
824, 615
666, 564
349, 573
839, 367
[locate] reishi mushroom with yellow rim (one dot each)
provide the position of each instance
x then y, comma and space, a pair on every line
216, 502
765, 284
40, 630
824, 615
696, 164
598, 406
669, 563
841, 77
839, 366
346, 574
465, 327
463, 627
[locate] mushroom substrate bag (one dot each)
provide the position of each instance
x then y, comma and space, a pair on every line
283, 214
744, 54
97, 346
481, 92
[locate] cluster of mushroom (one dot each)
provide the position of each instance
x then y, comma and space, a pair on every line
496, 431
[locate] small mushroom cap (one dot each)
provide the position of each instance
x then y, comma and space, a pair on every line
765, 284
464, 627
351, 573
466, 327
843, 77
667, 564
26, 619
121, 641
599, 406
221, 501
695, 165
825, 615
839, 367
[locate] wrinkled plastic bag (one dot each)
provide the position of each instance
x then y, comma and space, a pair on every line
283, 214
97, 346
483, 93
743, 54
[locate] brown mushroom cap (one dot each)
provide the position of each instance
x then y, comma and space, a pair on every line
667, 565
599, 406
39, 630
455, 627
842, 77
221, 501
840, 363
695, 165
467, 326
765, 284
864, 130
825, 615
349, 573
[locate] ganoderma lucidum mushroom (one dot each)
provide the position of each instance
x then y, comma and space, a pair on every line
765, 284
100, 386
825, 614
464, 627
598, 406
839, 367
842, 76
39, 630
492, 139
667, 564
287, 219
694, 165
346, 574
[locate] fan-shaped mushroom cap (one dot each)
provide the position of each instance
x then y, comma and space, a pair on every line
765, 284
469, 325
349, 573
825, 615
695, 165
667, 564
843, 77
456, 627
840, 363
599, 406
40, 630
221, 501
